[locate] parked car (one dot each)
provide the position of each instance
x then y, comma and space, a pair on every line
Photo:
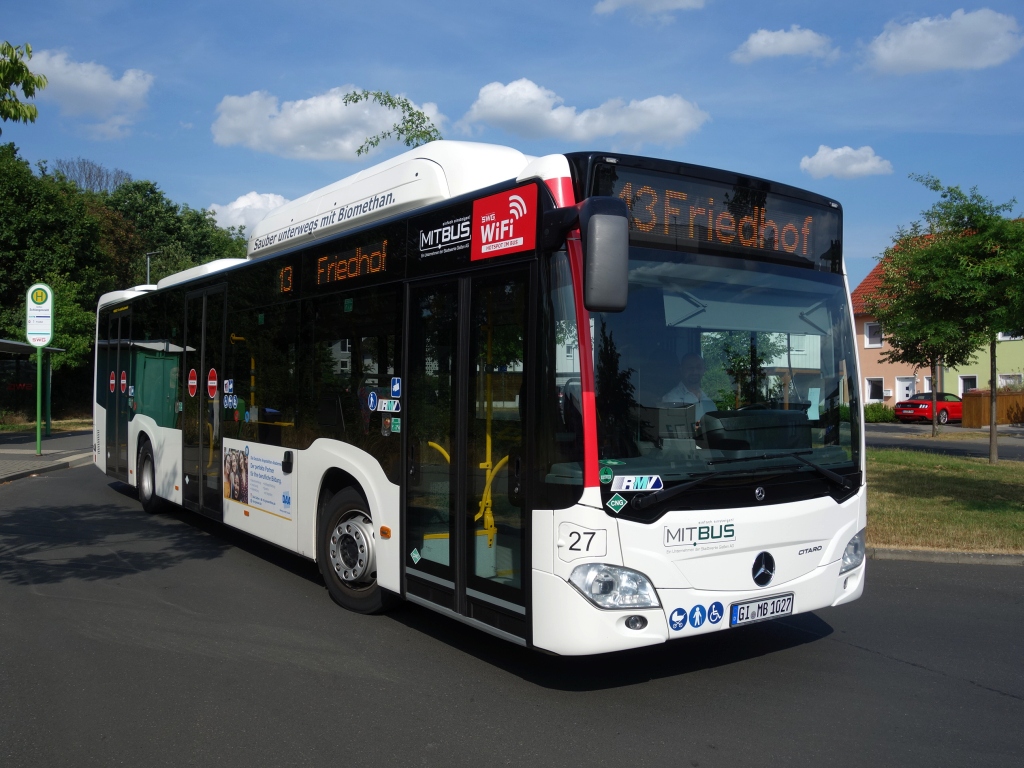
919, 407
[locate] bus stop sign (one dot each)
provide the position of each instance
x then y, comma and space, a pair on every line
39, 315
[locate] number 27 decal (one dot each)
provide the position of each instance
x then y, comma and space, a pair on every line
575, 541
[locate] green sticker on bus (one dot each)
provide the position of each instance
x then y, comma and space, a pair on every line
348, 305
606, 475
616, 503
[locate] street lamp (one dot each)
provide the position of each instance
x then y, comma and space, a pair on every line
151, 253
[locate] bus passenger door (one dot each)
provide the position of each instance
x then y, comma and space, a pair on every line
466, 523
202, 372
119, 336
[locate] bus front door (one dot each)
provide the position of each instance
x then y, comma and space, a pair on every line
466, 515
119, 334
202, 371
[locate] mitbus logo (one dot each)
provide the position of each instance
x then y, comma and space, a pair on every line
505, 223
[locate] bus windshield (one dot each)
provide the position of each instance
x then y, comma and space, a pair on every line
725, 367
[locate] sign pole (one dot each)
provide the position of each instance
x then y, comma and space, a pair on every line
39, 402
39, 332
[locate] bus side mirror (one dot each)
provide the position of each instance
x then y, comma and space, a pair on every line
604, 230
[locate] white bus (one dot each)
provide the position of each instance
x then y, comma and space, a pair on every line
583, 402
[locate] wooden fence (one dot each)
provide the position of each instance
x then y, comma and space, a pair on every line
1009, 408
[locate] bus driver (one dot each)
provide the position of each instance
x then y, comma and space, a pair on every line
688, 391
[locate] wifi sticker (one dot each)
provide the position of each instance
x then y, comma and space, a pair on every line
505, 223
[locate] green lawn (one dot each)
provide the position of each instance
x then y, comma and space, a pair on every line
61, 425
929, 501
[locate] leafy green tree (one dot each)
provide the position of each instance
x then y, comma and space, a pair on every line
918, 321
14, 75
47, 234
964, 269
180, 236
413, 128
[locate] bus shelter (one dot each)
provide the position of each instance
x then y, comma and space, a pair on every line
18, 379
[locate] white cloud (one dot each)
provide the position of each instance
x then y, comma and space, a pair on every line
89, 89
248, 210
797, 41
322, 127
974, 40
526, 109
845, 163
650, 8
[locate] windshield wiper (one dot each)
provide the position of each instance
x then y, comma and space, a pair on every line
828, 473
642, 502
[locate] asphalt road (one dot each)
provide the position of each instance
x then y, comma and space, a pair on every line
916, 437
134, 640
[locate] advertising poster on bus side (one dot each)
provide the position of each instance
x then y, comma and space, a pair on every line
253, 477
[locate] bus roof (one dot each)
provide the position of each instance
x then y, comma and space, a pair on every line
428, 174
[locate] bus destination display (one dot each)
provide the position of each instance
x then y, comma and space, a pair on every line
335, 268
668, 210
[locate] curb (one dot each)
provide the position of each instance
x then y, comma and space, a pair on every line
943, 556
39, 471
72, 463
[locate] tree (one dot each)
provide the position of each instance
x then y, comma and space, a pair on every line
414, 128
90, 176
921, 327
963, 273
15, 74
47, 234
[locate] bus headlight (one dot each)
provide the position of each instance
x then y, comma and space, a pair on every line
854, 553
611, 586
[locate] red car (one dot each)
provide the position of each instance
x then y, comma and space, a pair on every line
919, 407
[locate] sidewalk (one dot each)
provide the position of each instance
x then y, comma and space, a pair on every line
18, 453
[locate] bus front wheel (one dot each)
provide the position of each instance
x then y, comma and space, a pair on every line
346, 553
147, 480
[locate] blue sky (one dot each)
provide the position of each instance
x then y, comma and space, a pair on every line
238, 104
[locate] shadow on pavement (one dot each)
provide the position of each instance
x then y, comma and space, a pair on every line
55, 543
624, 668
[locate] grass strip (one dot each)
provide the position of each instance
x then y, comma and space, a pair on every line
63, 425
928, 501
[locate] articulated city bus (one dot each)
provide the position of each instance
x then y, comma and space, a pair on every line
583, 402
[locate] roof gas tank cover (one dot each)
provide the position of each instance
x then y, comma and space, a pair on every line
434, 172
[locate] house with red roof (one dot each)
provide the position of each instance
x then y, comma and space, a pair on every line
881, 382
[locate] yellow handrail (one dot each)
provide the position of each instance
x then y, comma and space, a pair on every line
440, 450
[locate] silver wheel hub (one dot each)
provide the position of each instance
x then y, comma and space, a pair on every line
351, 550
146, 479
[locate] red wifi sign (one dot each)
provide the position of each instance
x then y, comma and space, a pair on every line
505, 223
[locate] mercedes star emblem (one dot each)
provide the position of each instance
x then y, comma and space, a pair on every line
763, 570
759, 493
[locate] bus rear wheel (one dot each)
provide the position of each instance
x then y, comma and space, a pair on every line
346, 553
147, 480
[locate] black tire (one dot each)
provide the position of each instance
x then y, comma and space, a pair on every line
943, 416
361, 593
145, 470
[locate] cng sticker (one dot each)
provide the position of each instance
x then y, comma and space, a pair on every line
616, 503
637, 483
193, 382
606, 475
